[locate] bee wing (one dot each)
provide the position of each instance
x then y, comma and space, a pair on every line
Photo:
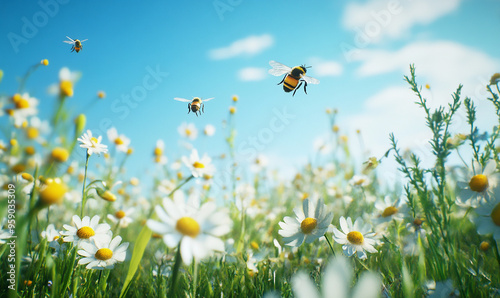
83, 40
278, 68
182, 99
208, 99
67, 41
72, 41
310, 80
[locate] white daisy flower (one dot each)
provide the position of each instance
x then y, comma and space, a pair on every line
488, 216
85, 229
199, 166
53, 236
209, 130
355, 238
389, 209
92, 144
360, 181
122, 217
67, 79
479, 184
103, 253
24, 107
336, 282
311, 222
188, 131
158, 153
196, 230
121, 141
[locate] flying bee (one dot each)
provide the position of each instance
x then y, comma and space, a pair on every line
195, 105
76, 45
293, 76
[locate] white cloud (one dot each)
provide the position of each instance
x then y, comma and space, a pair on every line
444, 65
324, 68
252, 74
249, 46
379, 18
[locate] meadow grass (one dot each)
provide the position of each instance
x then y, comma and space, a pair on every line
438, 236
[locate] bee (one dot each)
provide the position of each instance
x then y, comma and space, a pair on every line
76, 45
195, 105
293, 76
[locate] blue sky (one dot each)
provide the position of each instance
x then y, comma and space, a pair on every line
450, 42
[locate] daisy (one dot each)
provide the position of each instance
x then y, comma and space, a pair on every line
209, 130
85, 229
479, 184
67, 79
92, 144
121, 141
488, 217
24, 107
311, 223
336, 282
355, 238
103, 253
195, 229
388, 210
188, 131
158, 153
52, 235
199, 166
121, 217
359, 181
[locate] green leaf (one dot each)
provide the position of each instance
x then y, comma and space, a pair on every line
140, 245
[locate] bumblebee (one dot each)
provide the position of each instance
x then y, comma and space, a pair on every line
294, 77
195, 105
76, 45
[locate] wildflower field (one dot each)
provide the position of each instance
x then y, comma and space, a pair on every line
74, 224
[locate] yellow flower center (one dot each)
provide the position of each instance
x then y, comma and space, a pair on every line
118, 141
308, 225
355, 237
32, 132
120, 214
60, 154
18, 168
158, 151
94, 141
108, 196
53, 191
495, 215
66, 88
198, 165
30, 150
85, 232
389, 211
101, 94
479, 183
187, 226
22, 104
45, 62
55, 238
484, 246
27, 177
103, 254
232, 110
254, 245
188, 132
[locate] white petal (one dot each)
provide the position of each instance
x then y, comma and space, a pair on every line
303, 287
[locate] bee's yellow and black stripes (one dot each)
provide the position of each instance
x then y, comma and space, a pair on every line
290, 83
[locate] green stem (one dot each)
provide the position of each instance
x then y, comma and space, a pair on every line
495, 246
329, 244
84, 180
180, 185
195, 278
175, 271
